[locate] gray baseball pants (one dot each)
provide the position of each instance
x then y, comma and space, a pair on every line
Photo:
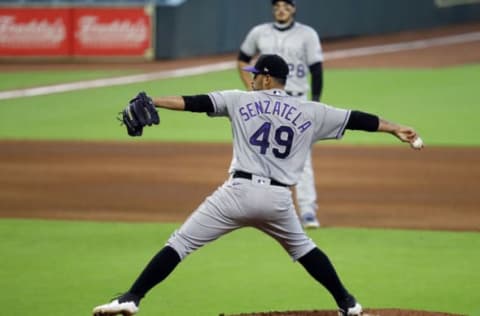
244, 203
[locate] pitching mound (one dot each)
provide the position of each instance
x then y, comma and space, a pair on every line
368, 312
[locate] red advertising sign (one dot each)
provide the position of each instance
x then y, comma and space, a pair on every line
35, 32
75, 32
111, 32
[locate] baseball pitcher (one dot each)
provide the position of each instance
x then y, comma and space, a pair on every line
272, 136
300, 46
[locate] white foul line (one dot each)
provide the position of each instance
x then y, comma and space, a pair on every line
338, 54
107, 82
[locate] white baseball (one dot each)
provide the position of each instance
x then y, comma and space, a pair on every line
417, 143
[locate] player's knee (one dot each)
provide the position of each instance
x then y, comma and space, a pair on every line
182, 245
299, 250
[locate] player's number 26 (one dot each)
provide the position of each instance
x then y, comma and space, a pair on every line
283, 136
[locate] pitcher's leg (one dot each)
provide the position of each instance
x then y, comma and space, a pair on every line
203, 226
287, 230
321, 269
215, 217
307, 196
156, 271
161, 265
210, 221
318, 265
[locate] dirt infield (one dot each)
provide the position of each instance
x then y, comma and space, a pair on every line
368, 312
358, 186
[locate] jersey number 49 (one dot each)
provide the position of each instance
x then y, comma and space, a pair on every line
283, 136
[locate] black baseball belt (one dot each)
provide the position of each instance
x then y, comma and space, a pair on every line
249, 176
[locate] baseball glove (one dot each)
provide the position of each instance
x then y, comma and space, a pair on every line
139, 113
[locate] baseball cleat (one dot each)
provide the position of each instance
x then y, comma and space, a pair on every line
116, 308
351, 308
124, 305
310, 221
351, 311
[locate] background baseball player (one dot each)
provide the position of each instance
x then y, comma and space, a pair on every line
272, 136
300, 46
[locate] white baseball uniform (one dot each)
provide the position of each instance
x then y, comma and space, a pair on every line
300, 46
272, 136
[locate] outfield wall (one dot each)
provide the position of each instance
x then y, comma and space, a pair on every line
218, 26
167, 29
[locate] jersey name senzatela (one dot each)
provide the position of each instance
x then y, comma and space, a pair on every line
273, 132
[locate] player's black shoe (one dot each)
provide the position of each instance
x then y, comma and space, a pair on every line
125, 304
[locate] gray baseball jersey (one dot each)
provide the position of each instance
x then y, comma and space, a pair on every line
299, 46
273, 132
272, 136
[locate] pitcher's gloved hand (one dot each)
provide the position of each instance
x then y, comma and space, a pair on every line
139, 113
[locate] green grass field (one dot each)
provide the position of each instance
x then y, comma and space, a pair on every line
66, 268
441, 103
